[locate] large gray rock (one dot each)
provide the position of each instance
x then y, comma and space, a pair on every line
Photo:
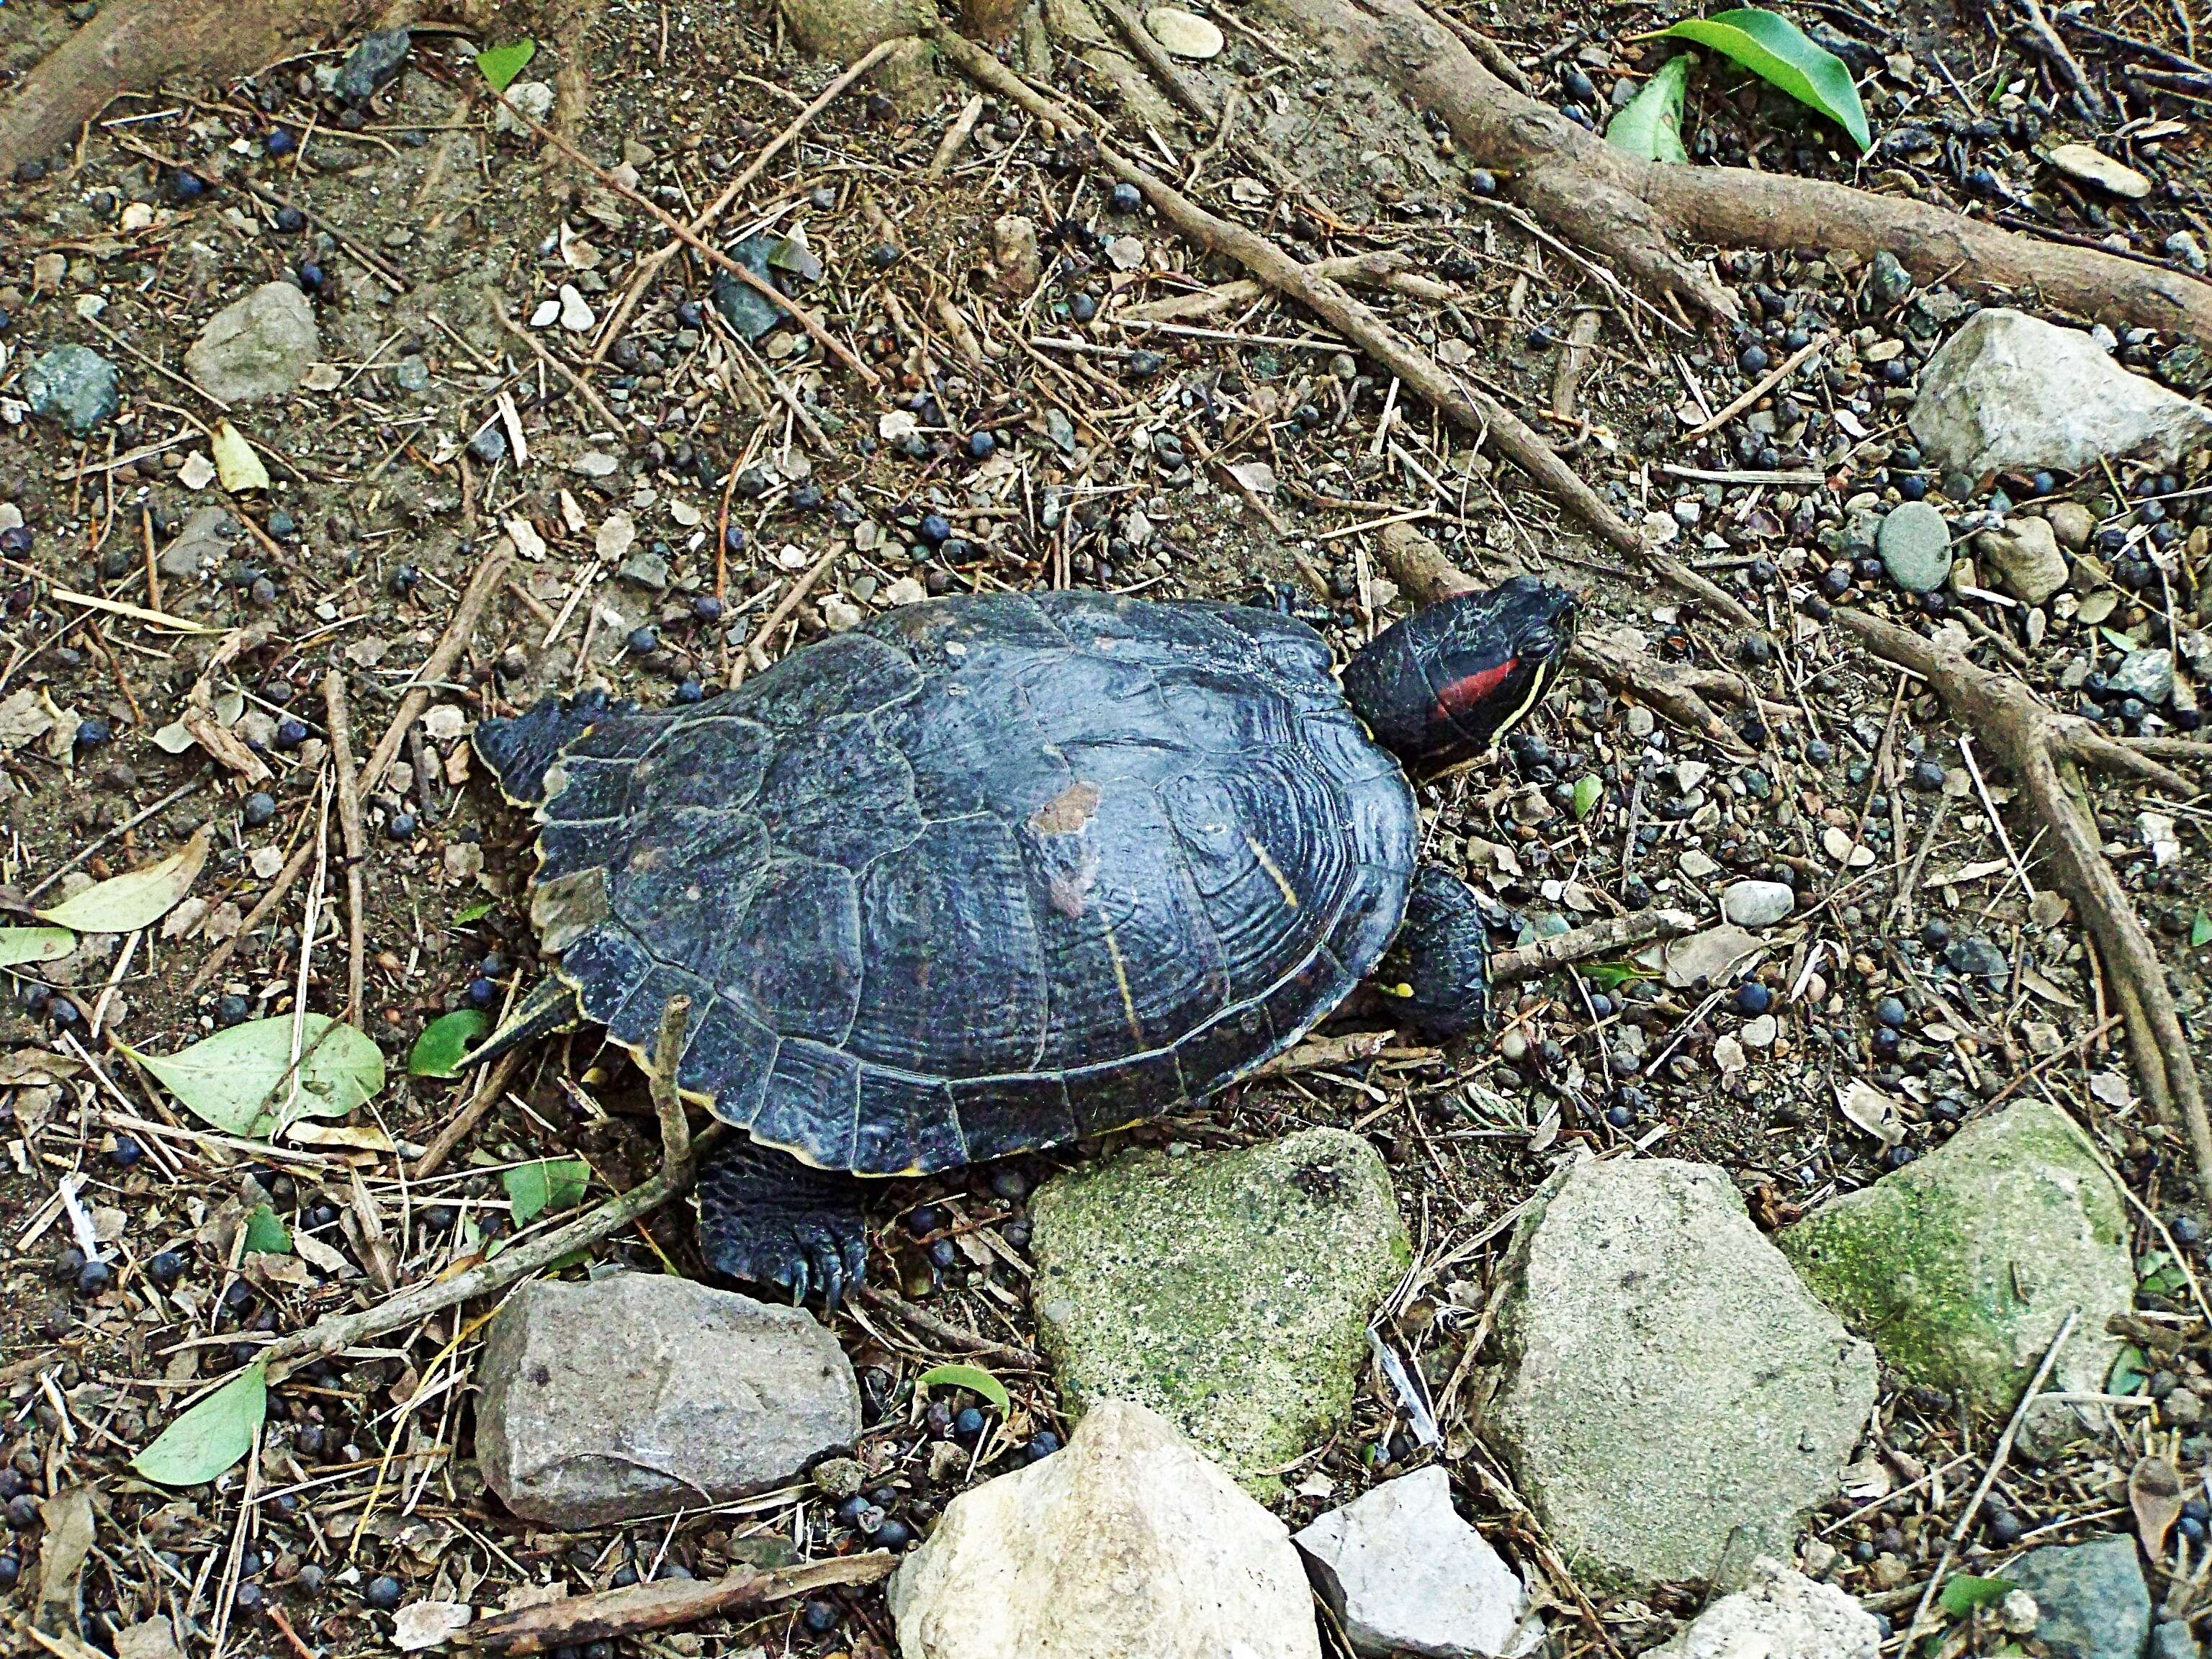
1229, 1292
1779, 1614
1404, 1574
1128, 1545
73, 385
2092, 1596
1673, 1400
1962, 1264
256, 348
2010, 392
643, 1393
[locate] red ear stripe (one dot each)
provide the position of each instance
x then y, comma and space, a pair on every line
1462, 695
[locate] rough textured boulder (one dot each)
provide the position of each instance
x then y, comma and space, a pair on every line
256, 348
1405, 1574
1674, 1398
1960, 1267
1228, 1292
1779, 1614
2010, 392
643, 1393
1128, 1545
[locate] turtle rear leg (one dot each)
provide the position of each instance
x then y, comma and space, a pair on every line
766, 1216
1435, 973
547, 1007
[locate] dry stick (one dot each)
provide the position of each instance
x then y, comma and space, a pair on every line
2047, 37
649, 267
1471, 409
1614, 933
577, 383
440, 665
2002, 1451
768, 291
951, 1334
1789, 366
1425, 576
1384, 268
340, 722
606, 1614
756, 650
1154, 57
519, 1261
1631, 210
2036, 742
489, 1087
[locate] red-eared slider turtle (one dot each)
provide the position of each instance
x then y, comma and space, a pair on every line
992, 873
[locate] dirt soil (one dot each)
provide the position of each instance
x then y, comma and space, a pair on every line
661, 517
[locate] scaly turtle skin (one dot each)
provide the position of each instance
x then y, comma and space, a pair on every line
994, 874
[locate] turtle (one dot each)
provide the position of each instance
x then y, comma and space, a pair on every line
992, 873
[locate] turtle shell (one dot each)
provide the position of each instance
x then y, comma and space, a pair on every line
981, 875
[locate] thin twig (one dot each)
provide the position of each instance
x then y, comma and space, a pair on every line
340, 721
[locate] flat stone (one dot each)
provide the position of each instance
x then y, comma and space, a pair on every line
643, 1393
1183, 33
205, 540
370, 65
2024, 560
2009, 393
1404, 1574
1961, 1265
2145, 674
73, 385
645, 570
1127, 1545
1914, 547
1779, 1614
1229, 1292
2092, 166
2072, 523
2092, 1596
1757, 904
257, 347
1673, 1399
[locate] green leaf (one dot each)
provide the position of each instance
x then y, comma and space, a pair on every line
1612, 975
476, 912
2200, 931
137, 898
550, 1183
2159, 1275
266, 1232
974, 1378
445, 1043
2130, 1371
1589, 792
500, 64
1963, 1593
212, 1435
1651, 123
241, 1080
20, 944
1776, 51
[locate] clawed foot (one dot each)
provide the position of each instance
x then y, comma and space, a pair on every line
764, 1216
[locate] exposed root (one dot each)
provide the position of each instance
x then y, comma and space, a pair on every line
2041, 747
1633, 211
667, 1603
1469, 408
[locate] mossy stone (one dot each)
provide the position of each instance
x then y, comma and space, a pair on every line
1228, 1292
1961, 1268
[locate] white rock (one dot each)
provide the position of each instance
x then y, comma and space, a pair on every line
575, 315
2092, 166
1183, 34
547, 314
533, 98
1758, 1032
2010, 392
1757, 904
1696, 865
1405, 1574
1780, 1614
1127, 1545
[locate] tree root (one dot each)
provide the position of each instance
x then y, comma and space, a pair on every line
1470, 409
1425, 576
666, 1603
1633, 211
2042, 747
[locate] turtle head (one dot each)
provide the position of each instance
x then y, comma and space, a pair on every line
1450, 680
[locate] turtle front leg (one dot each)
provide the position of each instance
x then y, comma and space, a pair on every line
1435, 972
766, 1216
